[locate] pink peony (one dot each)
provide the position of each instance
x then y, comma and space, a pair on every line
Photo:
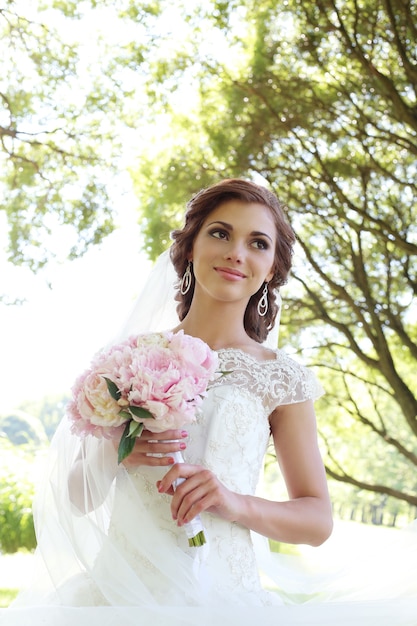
95, 403
164, 373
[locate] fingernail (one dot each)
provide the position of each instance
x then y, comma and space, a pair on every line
182, 446
159, 486
171, 460
184, 433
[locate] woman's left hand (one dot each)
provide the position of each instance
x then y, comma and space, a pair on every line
201, 491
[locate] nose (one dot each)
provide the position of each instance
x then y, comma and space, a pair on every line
235, 252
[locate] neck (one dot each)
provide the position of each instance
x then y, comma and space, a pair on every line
220, 325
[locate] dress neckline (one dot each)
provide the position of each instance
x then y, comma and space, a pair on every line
250, 357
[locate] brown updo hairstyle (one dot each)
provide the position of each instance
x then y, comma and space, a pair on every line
198, 209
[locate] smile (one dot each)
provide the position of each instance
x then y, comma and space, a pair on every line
229, 273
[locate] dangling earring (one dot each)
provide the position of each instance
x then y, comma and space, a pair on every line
186, 280
263, 302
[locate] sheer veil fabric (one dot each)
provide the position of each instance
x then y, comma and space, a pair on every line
109, 552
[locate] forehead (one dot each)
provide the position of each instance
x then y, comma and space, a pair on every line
237, 213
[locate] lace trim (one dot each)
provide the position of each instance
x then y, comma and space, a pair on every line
277, 381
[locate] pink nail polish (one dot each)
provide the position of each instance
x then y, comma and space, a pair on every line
184, 433
182, 446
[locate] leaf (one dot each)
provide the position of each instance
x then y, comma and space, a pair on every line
126, 444
139, 411
135, 429
113, 389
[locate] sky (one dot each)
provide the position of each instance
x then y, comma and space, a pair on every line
50, 338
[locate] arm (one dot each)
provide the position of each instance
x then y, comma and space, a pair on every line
91, 476
305, 518
89, 480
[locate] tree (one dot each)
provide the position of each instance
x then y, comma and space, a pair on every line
319, 102
57, 146
21, 428
48, 410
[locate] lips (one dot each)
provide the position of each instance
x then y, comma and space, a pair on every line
230, 273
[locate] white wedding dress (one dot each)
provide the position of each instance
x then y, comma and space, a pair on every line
126, 563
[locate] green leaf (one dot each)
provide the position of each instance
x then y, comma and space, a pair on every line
139, 411
135, 429
126, 444
113, 389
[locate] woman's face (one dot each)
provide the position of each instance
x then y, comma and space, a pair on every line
234, 251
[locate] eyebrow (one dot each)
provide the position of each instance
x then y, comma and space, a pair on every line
255, 233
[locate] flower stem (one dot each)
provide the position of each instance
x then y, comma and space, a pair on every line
198, 540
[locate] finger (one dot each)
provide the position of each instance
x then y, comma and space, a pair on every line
159, 447
178, 470
135, 460
190, 492
165, 435
170, 492
194, 502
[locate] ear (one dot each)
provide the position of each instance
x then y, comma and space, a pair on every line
269, 276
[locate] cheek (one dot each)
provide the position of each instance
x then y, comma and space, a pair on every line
271, 272
269, 266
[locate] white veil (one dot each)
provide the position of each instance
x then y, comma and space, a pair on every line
155, 307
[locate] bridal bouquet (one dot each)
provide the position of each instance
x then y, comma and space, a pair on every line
156, 380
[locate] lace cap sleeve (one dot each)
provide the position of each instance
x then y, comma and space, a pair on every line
291, 382
276, 381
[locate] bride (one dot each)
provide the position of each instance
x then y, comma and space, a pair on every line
111, 542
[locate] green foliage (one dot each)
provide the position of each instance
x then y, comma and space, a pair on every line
23, 440
56, 144
317, 101
16, 494
49, 411
7, 596
21, 428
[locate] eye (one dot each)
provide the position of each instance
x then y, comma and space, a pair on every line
260, 244
219, 233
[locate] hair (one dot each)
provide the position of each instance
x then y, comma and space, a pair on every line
198, 209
